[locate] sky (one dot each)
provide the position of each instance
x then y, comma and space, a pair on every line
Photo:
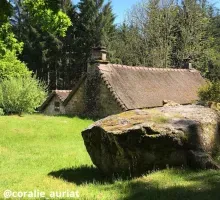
120, 7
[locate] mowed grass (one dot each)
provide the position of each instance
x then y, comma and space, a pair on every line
48, 154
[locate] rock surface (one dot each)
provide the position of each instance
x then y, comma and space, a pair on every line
136, 141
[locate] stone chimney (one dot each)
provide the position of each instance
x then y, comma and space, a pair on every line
99, 55
187, 63
93, 83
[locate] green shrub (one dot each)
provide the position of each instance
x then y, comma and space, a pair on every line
1, 98
10, 67
210, 92
1, 112
21, 95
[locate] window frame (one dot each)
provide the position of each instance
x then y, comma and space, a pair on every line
57, 106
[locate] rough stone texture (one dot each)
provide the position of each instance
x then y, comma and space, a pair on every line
167, 103
140, 140
76, 105
106, 105
108, 89
99, 100
93, 98
49, 110
101, 105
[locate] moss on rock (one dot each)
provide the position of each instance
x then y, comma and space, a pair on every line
136, 141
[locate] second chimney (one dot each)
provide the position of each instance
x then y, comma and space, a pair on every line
187, 63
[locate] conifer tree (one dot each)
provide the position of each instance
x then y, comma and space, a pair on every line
95, 26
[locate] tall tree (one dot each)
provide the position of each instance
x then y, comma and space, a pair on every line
194, 36
45, 13
166, 33
38, 18
127, 46
95, 26
46, 53
71, 68
161, 16
214, 64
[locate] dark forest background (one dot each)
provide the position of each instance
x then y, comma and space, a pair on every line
155, 34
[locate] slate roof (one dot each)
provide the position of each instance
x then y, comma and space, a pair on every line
142, 87
61, 94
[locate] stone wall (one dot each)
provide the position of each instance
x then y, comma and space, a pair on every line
76, 105
93, 98
92, 90
50, 109
106, 103
99, 100
100, 104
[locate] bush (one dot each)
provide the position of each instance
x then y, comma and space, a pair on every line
210, 92
10, 67
21, 95
1, 112
1, 98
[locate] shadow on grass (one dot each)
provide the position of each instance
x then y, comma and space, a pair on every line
82, 117
174, 193
202, 185
81, 175
206, 187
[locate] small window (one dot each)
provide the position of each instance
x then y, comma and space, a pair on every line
57, 106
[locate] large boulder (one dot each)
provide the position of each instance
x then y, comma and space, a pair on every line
136, 141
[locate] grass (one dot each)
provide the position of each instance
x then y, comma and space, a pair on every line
47, 154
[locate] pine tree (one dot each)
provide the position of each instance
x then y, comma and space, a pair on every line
71, 60
214, 63
95, 26
49, 56
127, 46
195, 39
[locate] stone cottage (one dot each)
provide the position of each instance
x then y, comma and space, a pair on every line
54, 102
108, 89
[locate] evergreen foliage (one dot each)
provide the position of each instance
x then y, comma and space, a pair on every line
166, 33
94, 26
60, 61
5, 11
156, 33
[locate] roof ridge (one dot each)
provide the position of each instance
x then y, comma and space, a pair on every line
75, 88
150, 68
113, 93
49, 97
62, 90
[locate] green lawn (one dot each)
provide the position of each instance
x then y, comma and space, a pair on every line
47, 154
